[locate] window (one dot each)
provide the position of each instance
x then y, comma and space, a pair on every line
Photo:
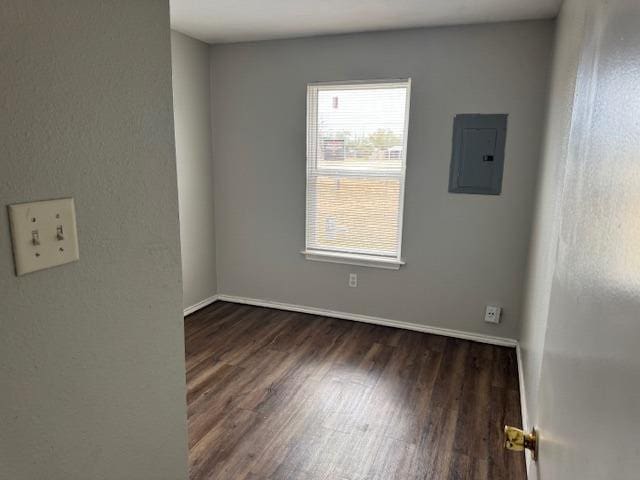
356, 156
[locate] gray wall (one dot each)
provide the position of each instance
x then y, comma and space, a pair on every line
92, 353
190, 65
462, 251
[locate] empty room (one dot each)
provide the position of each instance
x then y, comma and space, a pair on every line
340, 240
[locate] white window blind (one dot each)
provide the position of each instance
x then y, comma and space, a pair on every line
356, 156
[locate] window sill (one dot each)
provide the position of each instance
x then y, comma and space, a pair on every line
352, 259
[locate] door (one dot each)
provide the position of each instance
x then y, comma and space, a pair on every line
588, 399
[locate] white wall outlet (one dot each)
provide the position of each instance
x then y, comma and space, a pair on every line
44, 234
492, 314
353, 280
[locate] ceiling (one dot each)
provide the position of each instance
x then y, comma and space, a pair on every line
222, 21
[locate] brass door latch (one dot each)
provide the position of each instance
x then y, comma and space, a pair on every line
517, 440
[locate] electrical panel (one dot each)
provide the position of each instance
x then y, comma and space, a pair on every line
477, 156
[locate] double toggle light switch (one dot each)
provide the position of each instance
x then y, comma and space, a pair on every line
44, 234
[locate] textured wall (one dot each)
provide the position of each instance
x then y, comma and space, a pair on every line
462, 251
543, 248
92, 353
190, 66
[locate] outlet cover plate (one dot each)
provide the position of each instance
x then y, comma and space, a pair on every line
44, 234
492, 314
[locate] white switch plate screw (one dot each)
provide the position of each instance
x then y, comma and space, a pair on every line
353, 280
492, 314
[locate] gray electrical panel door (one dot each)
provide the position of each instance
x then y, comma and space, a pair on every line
477, 156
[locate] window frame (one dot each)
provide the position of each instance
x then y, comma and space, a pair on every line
344, 256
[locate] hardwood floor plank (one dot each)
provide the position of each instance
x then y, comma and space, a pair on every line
285, 395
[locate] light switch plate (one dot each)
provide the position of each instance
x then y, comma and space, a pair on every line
44, 234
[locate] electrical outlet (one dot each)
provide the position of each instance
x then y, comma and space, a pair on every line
492, 314
353, 280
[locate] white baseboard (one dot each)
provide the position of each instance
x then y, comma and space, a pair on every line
523, 404
201, 304
477, 337
523, 399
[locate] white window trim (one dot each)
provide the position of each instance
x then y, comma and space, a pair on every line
353, 259
390, 263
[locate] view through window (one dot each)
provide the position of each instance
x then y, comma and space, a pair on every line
356, 156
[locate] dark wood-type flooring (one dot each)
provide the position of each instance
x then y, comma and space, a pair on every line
283, 395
